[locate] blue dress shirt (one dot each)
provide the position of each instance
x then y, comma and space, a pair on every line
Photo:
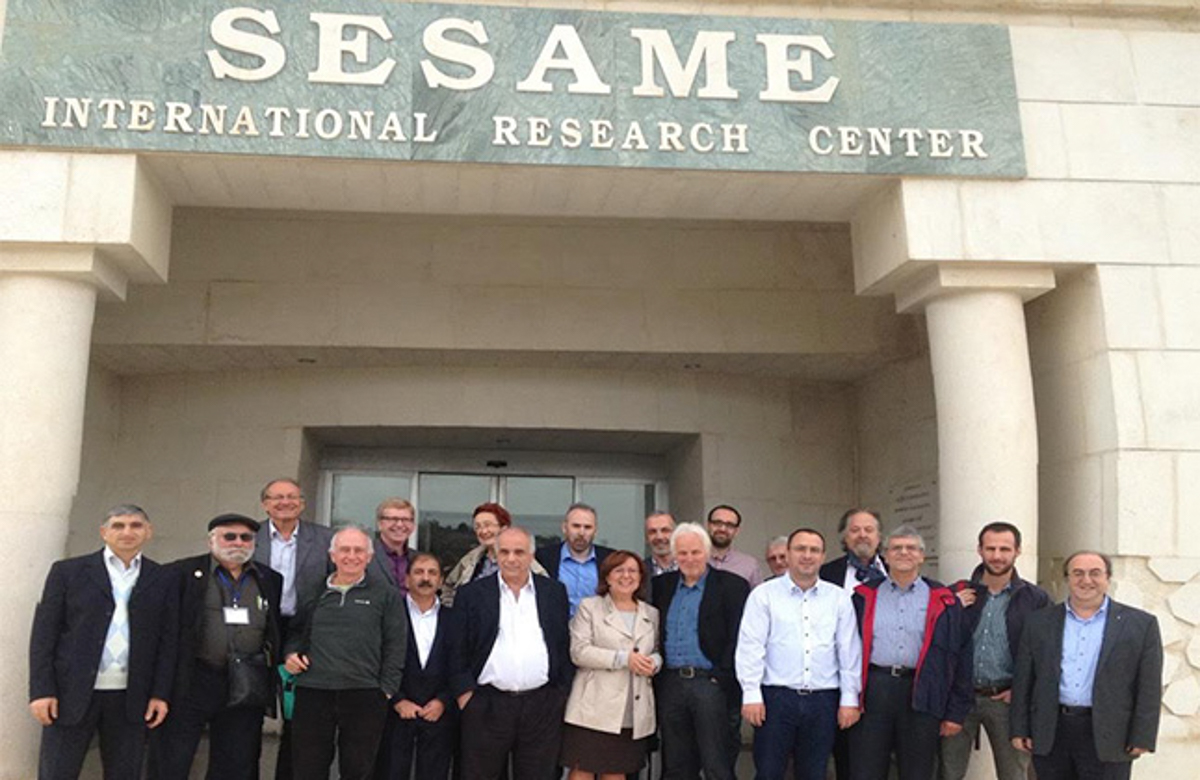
682, 647
580, 579
1080, 654
900, 623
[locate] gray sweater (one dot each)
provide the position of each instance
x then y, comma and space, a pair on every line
355, 639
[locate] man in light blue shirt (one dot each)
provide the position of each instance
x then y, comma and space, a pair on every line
799, 662
1088, 686
576, 561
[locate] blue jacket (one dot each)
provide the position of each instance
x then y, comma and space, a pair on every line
942, 685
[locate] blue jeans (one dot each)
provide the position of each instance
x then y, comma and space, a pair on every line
802, 726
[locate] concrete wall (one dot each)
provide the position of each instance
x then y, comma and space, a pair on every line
1116, 349
189, 446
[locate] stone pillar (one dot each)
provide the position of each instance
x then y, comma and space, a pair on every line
72, 227
987, 430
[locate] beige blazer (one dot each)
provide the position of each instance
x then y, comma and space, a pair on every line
600, 689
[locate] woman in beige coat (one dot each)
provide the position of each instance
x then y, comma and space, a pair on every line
614, 642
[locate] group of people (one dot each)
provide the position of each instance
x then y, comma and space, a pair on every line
576, 657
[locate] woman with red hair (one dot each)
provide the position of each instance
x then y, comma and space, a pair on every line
480, 561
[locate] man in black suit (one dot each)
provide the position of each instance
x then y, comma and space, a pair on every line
422, 725
102, 651
576, 561
228, 613
699, 699
511, 666
1088, 687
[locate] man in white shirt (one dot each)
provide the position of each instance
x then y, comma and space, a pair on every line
102, 651
799, 662
422, 726
511, 666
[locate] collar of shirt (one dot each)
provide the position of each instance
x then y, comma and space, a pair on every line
278, 537
526, 588
1075, 616
699, 582
355, 584
415, 609
115, 564
795, 589
902, 588
564, 554
393, 554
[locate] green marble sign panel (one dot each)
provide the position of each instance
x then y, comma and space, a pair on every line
473, 83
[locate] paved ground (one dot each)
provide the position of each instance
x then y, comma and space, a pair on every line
91, 770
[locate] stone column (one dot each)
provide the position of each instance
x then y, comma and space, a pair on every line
72, 227
987, 429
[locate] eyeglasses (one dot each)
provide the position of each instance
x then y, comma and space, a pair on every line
1093, 574
405, 520
289, 497
230, 536
485, 526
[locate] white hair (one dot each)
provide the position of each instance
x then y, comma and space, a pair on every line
695, 530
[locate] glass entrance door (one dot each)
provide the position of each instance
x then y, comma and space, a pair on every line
445, 501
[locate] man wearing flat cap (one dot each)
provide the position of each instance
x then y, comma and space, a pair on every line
229, 644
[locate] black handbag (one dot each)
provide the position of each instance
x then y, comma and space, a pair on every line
249, 680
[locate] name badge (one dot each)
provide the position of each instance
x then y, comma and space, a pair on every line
237, 616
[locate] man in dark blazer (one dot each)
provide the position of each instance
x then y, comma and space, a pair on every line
422, 725
299, 551
700, 609
510, 668
575, 562
861, 534
228, 603
102, 652
1088, 687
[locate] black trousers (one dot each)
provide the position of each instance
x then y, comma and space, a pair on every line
526, 725
430, 744
352, 720
889, 724
700, 727
234, 733
121, 742
1073, 756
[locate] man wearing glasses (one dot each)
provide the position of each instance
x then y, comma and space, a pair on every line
1088, 685
916, 648
395, 521
724, 522
228, 613
299, 551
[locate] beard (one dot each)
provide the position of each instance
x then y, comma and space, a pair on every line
998, 570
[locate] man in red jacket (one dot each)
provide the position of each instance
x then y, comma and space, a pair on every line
916, 666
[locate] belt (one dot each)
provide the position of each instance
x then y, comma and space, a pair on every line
690, 672
1067, 709
894, 671
812, 691
512, 694
992, 690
